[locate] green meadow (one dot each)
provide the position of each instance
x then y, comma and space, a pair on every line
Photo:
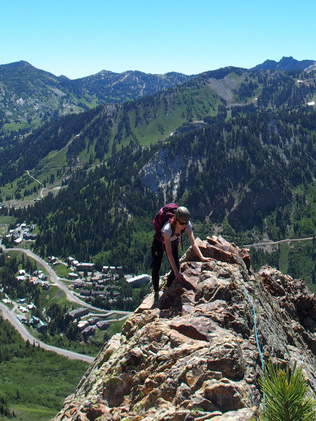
33, 382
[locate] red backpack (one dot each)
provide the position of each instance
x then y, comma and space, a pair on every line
164, 215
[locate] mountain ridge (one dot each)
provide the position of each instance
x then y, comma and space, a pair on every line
30, 96
198, 352
209, 95
288, 64
236, 147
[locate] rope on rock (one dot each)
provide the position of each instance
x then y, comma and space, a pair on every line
256, 335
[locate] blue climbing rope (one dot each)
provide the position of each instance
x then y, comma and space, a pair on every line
257, 339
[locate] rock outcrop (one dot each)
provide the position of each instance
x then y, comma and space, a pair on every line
194, 354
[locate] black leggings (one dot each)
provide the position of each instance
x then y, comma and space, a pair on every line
157, 251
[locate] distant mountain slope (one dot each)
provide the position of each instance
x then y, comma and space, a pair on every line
75, 141
109, 87
236, 146
287, 64
92, 136
29, 96
244, 173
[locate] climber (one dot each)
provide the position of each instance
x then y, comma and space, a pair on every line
168, 239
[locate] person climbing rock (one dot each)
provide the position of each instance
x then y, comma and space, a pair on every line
171, 222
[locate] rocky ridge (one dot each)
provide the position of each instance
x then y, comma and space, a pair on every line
286, 64
33, 96
193, 354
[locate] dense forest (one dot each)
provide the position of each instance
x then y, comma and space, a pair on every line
237, 147
249, 172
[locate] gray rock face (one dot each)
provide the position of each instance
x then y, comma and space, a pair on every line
194, 354
162, 172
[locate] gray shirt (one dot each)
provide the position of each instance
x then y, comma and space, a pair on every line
168, 230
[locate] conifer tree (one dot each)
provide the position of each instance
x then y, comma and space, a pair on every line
286, 395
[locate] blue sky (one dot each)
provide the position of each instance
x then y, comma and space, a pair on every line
78, 38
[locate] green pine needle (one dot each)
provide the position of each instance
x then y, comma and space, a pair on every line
287, 396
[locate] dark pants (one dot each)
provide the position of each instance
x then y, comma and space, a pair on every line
157, 250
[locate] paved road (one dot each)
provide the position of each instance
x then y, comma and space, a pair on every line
269, 243
56, 280
12, 318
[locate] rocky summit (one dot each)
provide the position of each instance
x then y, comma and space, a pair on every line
197, 351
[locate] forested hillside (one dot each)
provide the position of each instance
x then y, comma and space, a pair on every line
84, 140
30, 97
89, 138
237, 147
247, 174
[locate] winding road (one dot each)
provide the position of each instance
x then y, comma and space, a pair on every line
58, 282
11, 316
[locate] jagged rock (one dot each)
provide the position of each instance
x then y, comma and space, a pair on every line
194, 354
220, 249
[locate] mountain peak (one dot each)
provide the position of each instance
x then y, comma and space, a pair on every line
287, 64
19, 64
195, 353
